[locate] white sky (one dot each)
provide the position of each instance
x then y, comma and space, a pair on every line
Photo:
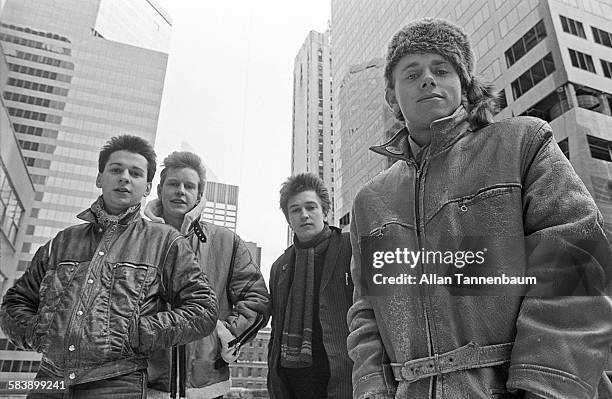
228, 93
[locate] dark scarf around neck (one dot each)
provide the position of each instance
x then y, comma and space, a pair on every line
296, 340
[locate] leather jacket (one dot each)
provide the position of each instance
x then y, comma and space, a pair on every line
507, 182
244, 309
91, 301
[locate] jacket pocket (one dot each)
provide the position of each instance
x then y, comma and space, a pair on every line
128, 282
484, 194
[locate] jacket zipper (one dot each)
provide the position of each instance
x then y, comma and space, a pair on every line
249, 332
417, 191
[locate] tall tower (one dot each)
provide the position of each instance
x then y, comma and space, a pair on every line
548, 58
313, 137
79, 72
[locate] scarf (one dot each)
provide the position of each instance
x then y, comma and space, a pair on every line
108, 221
296, 340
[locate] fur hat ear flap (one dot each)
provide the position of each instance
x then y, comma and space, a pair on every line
481, 98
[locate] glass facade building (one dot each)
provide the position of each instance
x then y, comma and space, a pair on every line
548, 58
221, 204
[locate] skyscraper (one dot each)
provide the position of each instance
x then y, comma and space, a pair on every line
79, 72
549, 58
313, 138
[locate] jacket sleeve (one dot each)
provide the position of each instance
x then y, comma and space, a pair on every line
194, 309
564, 328
20, 305
248, 294
372, 377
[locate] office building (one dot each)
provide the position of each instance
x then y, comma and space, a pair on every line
313, 138
221, 204
548, 58
251, 369
79, 72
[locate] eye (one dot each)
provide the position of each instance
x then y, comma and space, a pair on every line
136, 173
412, 75
115, 170
442, 72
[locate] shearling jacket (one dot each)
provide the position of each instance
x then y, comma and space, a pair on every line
244, 309
506, 188
334, 301
91, 301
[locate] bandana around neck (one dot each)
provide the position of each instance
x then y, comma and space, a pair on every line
106, 219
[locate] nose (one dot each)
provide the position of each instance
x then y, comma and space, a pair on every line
180, 189
304, 214
125, 176
428, 80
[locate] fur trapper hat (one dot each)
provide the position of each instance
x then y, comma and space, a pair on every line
438, 36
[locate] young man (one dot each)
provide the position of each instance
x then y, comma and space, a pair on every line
482, 200
201, 367
311, 292
91, 299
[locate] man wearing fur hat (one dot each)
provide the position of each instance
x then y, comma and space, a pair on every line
488, 200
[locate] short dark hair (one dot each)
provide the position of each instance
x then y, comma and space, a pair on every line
134, 144
184, 159
300, 183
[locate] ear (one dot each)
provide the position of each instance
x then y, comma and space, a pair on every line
148, 190
392, 101
99, 180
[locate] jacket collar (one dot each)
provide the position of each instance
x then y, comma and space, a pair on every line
88, 215
444, 130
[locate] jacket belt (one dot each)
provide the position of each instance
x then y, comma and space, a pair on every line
469, 356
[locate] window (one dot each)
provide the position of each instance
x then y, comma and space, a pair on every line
602, 37
533, 76
606, 66
11, 209
564, 145
600, 148
571, 26
582, 61
525, 43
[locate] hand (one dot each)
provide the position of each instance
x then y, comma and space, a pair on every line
153, 210
228, 353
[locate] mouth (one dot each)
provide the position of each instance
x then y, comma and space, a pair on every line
122, 190
429, 97
306, 224
178, 201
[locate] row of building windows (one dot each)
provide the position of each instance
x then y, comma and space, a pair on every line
602, 37
577, 29
11, 209
37, 162
41, 59
48, 35
572, 26
41, 73
19, 366
41, 102
26, 84
35, 131
34, 44
35, 146
37, 116
581, 60
38, 179
533, 76
525, 43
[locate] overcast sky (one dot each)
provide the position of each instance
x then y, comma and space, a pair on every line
228, 93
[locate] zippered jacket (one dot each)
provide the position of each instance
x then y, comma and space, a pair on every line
508, 191
244, 309
92, 300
